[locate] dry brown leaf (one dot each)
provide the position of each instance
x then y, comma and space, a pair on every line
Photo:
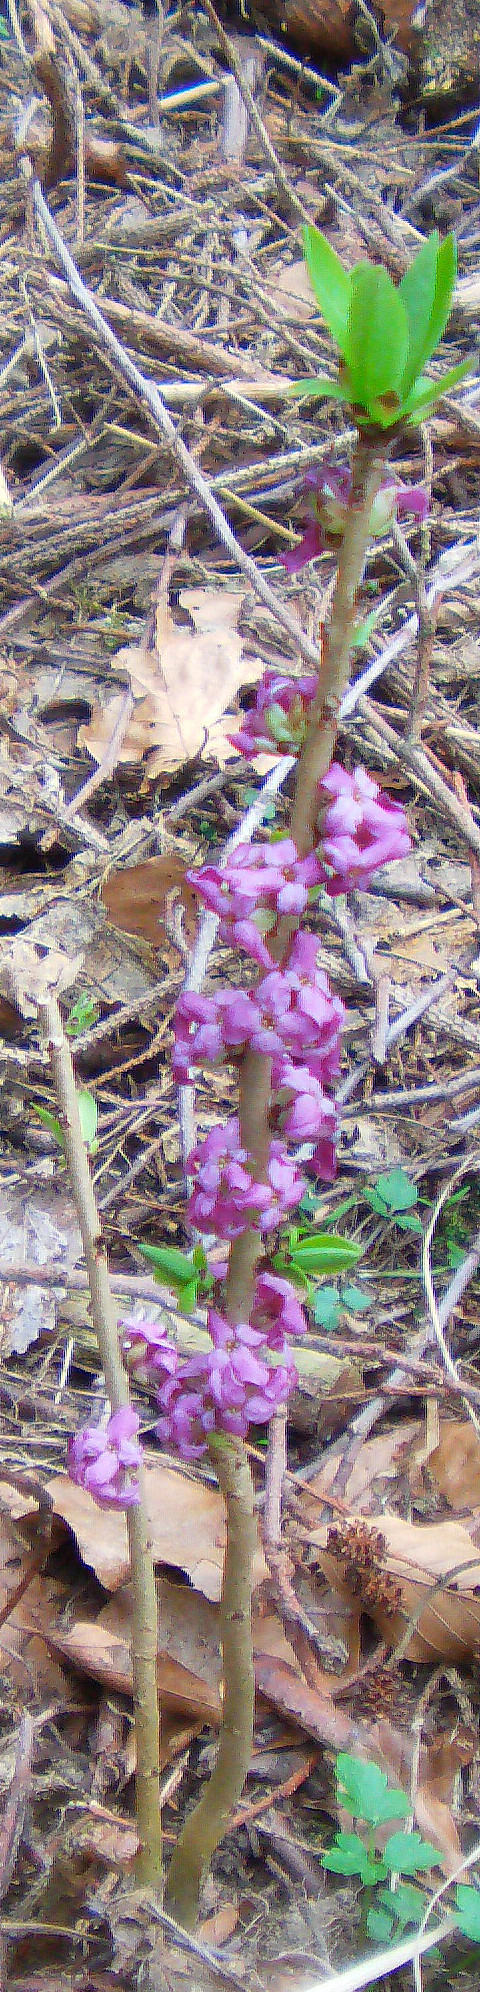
455, 1464
180, 686
378, 1461
436, 1821
97, 1651
187, 1528
106, 1836
138, 898
290, 287
216, 1929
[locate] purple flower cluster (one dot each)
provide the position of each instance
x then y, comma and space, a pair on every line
233, 1384
264, 879
293, 1018
278, 719
226, 1198
331, 488
291, 1013
360, 829
105, 1460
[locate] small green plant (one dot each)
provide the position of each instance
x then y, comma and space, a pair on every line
81, 1017
330, 1302
392, 1869
386, 333
394, 1196
88, 1110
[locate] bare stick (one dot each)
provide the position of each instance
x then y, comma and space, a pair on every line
144, 1603
206, 1825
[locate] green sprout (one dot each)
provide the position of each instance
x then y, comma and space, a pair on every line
386, 332
389, 1869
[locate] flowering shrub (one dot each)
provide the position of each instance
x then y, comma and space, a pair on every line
293, 1018
227, 1388
292, 1010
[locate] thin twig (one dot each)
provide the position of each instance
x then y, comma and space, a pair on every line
149, 394
471, 1162
144, 1601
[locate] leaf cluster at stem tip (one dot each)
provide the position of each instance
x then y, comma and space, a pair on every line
385, 332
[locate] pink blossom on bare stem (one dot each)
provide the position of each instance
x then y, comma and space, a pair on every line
291, 1010
305, 1110
331, 488
264, 879
225, 1388
226, 1198
360, 828
277, 721
105, 1460
276, 1311
145, 1345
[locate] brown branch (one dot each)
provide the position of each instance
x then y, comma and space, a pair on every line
206, 1825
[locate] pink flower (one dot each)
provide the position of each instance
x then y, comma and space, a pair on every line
291, 1010
226, 1198
277, 721
105, 1460
306, 1112
332, 488
302, 1007
276, 1311
259, 879
146, 1345
360, 828
226, 1388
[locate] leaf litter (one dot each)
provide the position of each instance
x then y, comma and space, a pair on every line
132, 660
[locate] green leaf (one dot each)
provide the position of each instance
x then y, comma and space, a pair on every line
377, 334
426, 391
355, 1299
365, 629
88, 1111
50, 1121
326, 1307
379, 1926
82, 1016
349, 1856
468, 1907
330, 282
406, 1853
320, 387
176, 1266
409, 1223
323, 1253
396, 1190
404, 1902
455, 1255
365, 1791
427, 291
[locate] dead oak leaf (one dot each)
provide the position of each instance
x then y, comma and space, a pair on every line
181, 684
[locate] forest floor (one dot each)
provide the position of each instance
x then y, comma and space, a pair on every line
130, 634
